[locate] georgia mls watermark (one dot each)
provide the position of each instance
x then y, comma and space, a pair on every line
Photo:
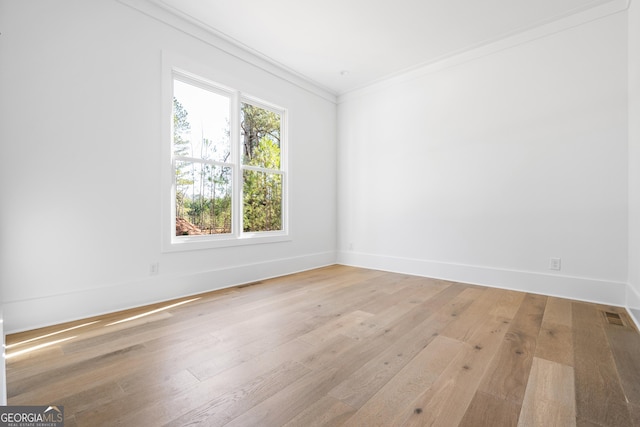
31, 416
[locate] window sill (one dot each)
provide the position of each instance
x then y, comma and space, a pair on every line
194, 243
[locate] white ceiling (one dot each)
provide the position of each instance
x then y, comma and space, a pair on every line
342, 45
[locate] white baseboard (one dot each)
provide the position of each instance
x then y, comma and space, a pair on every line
577, 288
21, 315
633, 305
27, 314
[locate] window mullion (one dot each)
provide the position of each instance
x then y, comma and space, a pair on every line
260, 169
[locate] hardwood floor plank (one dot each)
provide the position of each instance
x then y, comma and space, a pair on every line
403, 281
291, 401
325, 354
586, 423
599, 395
33, 362
625, 347
156, 379
326, 412
487, 302
398, 313
61, 383
558, 312
389, 326
212, 387
488, 410
140, 392
418, 375
234, 403
335, 327
226, 393
338, 346
555, 340
635, 414
91, 398
406, 290
509, 372
352, 355
70, 421
446, 401
367, 380
221, 359
550, 396
507, 303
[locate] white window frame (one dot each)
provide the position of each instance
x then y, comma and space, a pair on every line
196, 74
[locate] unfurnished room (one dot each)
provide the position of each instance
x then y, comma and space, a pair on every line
338, 213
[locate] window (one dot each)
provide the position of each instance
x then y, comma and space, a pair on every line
228, 166
261, 171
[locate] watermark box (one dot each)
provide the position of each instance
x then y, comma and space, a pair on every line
31, 416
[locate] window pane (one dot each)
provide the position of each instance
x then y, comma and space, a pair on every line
262, 201
200, 123
203, 199
260, 133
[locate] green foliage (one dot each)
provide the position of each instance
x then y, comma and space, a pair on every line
263, 190
262, 201
203, 191
207, 198
266, 154
256, 124
211, 215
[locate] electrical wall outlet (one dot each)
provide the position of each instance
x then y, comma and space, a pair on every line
555, 264
154, 267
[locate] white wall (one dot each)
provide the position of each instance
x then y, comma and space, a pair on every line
3, 378
80, 213
483, 169
633, 299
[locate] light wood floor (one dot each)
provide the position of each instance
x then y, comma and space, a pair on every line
339, 346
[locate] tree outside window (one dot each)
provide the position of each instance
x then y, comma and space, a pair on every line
208, 163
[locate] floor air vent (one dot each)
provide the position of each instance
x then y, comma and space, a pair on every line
613, 318
246, 285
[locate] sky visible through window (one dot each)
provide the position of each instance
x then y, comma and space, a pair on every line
208, 115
